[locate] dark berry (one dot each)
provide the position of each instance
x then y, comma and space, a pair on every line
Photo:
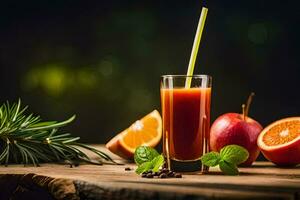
171, 174
127, 169
149, 175
165, 170
163, 175
144, 175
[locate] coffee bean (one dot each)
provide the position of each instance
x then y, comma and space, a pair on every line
165, 170
149, 175
171, 174
127, 169
163, 175
177, 175
144, 175
150, 172
155, 174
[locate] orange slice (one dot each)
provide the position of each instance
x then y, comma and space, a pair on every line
280, 133
280, 141
146, 131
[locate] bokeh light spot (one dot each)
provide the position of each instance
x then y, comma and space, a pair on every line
53, 79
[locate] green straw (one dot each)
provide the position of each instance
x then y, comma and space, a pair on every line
196, 46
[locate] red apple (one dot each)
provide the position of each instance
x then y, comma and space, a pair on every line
239, 129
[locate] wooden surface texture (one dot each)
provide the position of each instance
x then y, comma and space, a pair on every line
262, 181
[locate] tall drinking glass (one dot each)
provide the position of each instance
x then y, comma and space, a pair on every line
186, 120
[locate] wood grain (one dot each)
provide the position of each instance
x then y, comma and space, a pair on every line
262, 181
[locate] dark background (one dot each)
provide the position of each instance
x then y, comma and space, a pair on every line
102, 60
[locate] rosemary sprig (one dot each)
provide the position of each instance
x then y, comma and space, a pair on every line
25, 139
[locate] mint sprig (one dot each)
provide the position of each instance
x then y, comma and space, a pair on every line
144, 167
152, 165
157, 162
234, 154
211, 159
144, 154
228, 168
229, 157
148, 159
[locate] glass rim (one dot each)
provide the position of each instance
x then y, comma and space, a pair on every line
185, 76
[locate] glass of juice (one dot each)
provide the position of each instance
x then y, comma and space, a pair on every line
186, 120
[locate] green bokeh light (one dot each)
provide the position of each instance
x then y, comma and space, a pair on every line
55, 79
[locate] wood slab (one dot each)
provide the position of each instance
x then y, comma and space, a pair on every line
262, 181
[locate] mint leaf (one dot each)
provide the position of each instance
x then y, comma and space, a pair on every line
157, 162
211, 159
153, 165
228, 168
234, 154
144, 154
146, 166
228, 159
153, 152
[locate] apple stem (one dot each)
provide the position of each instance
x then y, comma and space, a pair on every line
243, 111
249, 100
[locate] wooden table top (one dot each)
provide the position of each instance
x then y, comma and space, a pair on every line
261, 181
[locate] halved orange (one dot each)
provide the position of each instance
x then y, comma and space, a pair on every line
280, 141
146, 131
